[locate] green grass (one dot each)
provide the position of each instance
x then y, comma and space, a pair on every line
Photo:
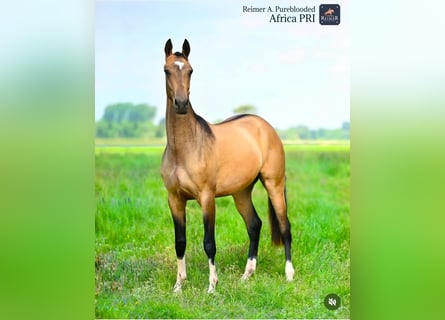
135, 255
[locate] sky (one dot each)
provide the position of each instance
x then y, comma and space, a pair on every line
293, 73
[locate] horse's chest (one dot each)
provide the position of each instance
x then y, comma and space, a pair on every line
184, 178
179, 178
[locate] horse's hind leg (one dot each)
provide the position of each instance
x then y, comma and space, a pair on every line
279, 220
243, 202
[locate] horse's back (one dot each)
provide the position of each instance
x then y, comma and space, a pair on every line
242, 130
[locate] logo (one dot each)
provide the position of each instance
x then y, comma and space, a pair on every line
329, 14
332, 301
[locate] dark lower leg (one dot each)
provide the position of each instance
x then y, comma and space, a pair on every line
286, 236
209, 238
254, 230
287, 240
210, 249
180, 237
180, 245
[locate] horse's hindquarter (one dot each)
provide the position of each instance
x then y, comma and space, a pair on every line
244, 148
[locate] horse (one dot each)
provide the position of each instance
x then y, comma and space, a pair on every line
202, 161
329, 12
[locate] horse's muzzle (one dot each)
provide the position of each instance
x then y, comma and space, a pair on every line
181, 106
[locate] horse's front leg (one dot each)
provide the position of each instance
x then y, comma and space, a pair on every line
207, 202
177, 208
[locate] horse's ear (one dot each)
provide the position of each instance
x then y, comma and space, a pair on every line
168, 48
186, 48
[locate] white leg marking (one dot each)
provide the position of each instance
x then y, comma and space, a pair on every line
250, 269
213, 278
289, 271
181, 276
179, 64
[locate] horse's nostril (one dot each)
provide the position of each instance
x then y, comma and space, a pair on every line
181, 105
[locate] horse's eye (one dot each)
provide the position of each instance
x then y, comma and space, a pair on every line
167, 72
190, 73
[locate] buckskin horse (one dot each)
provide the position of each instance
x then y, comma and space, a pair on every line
202, 161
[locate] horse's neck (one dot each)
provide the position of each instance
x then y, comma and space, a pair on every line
183, 135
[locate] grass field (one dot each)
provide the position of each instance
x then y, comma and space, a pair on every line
135, 255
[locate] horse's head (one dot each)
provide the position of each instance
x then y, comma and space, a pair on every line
177, 76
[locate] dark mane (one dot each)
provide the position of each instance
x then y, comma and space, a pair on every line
238, 116
205, 126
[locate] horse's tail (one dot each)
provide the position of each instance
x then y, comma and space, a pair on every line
274, 225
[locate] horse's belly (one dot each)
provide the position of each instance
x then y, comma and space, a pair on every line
235, 180
237, 167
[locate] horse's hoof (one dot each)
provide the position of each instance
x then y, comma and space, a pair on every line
245, 277
211, 290
212, 286
177, 288
250, 269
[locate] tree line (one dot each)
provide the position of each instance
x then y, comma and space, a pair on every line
304, 133
128, 120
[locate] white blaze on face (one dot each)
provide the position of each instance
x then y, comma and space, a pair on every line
179, 64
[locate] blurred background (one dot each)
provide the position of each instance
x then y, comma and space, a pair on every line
295, 75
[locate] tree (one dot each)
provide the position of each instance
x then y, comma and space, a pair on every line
116, 112
106, 130
141, 113
303, 132
126, 120
247, 108
160, 130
